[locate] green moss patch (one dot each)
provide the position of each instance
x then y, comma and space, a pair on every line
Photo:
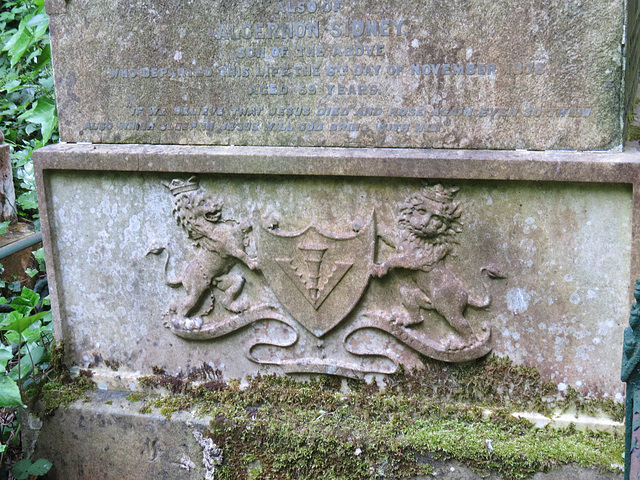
278, 428
62, 389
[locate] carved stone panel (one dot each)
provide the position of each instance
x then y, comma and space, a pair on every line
318, 278
338, 275
474, 74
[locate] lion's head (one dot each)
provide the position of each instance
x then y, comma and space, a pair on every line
193, 208
431, 216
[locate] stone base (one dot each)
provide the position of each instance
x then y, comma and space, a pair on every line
107, 438
537, 256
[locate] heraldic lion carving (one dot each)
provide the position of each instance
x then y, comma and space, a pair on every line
219, 245
429, 222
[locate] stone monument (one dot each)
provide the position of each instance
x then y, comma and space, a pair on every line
341, 187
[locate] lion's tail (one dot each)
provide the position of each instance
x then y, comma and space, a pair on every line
170, 282
492, 271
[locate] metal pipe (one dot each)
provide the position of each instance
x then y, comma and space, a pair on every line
21, 244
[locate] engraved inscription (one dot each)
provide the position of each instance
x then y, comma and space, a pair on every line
394, 77
433, 74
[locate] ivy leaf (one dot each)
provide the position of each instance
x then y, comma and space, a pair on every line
14, 286
31, 358
28, 200
44, 59
9, 392
27, 298
40, 20
43, 113
39, 256
40, 467
18, 44
21, 324
13, 85
25, 468
34, 334
21, 469
5, 355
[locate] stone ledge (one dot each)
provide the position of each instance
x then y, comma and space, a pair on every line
107, 380
600, 167
106, 437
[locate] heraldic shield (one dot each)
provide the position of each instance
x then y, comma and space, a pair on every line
318, 277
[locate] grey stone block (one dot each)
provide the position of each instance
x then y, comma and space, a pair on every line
429, 73
113, 441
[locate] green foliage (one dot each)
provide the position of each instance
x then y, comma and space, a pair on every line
633, 131
25, 350
26, 469
27, 101
39, 256
25, 363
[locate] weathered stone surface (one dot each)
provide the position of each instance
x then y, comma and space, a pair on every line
558, 254
108, 438
8, 212
431, 73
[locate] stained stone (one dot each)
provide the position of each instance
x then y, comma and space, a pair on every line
139, 446
263, 273
192, 212
429, 73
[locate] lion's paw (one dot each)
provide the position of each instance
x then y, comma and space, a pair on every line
401, 319
238, 306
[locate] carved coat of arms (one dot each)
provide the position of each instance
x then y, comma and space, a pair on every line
319, 279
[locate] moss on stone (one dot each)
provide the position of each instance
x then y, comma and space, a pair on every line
633, 133
62, 392
62, 389
136, 397
329, 428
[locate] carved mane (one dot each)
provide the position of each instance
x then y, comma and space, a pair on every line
439, 201
191, 207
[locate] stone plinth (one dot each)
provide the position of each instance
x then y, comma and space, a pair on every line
279, 260
108, 438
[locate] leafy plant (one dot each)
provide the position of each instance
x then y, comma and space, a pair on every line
27, 102
39, 256
25, 468
27, 335
30, 334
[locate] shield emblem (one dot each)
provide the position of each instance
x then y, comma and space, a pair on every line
318, 277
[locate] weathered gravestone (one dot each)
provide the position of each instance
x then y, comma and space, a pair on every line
432, 73
193, 216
